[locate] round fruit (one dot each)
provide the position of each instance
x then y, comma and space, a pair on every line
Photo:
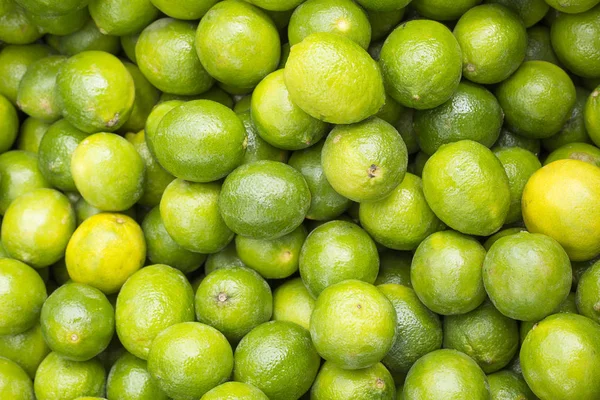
257, 148
467, 188
84, 210
27, 349
543, 271
223, 259
122, 17
146, 96
575, 151
14, 62
510, 139
17, 25
588, 293
539, 46
15, 384
421, 64
31, 134
505, 385
184, 9
278, 358
443, 10
394, 267
530, 11
591, 115
235, 391
129, 379
61, 25
574, 129
154, 119
572, 7
569, 305
383, 5
9, 127
19, 174
292, 302
49, 7
335, 383
85, 39
333, 79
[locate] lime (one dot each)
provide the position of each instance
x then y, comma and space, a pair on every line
394, 267
14, 62
146, 96
31, 134
154, 119
333, 79
14, 382
510, 139
418, 163
128, 43
37, 227
500, 234
565, 346
575, 151
392, 111
233, 300
122, 17
235, 391
530, 11
17, 26
27, 349
560, 200
572, 7
84, 210
467, 188
544, 275
334, 252
184, 9
276, 5
471, 113
129, 379
19, 174
188, 359
85, 39
353, 324
49, 7
278, 358
342, 17
383, 22
223, 259
383, 5
21, 298
507, 385
292, 302
335, 383
63, 24
588, 293
569, 305
539, 46
574, 129
443, 10
238, 44
591, 115
446, 273
364, 161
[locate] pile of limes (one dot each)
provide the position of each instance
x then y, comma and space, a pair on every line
300, 199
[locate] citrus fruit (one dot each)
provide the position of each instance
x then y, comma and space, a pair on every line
394, 267
153, 299
30, 135
487, 57
591, 115
342, 17
37, 227
510, 139
544, 274
235, 391
383, 22
188, 359
272, 259
467, 188
105, 250
278, 358
574, 129
184, 9
500, 234
9, 127
383, 5
572, 7
85, 39
280, 122
292, 302
569, 305
21, 298
17, 26
565, 346
49, 7
264, 200
333, 79
84, 210
237, 43
588, 293
506, 385
63, 24
446, 374
154, 118
122, 17
539, 46
335, 383
19, 174
471, 113
560, 200
146, 96
530, 11
364, 161
225, 258
165, 54
14, 62
325, 202
59, 378
77, 321
410, 61
446, 273
442, 10
353, 324
93, 166
129, 379
14, 381
27, 349
334, 252
575, 151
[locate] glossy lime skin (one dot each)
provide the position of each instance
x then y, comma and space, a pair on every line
442, 10
279, 358
31, 133
541, 287
64, 24
507, 385
165, 54
588, 292
334, 79
233, 300
591, 116
22, 296
410, 61
27, 349
153, 299
238, 44
569, 305
9, 127
49, 7
146, 97
264, 200
471, 113
77, 321
530, 11
257, 148
156, 115
122, 17
235, 391
129, 379
189, 359
539, 46
55, 152
184, 9
200, 141
510, 139
336, 383
223, 259
93, 167
96, 91
37, 227
337, 251
19, 174
86, 39
382, 22
59, 378
560, 358
85, 210
17, 26
574, 129
15, 384
14, 62
292, 302
446, 374
342, 17
572, 7
529, 114
449, 254
191, 216
394, 267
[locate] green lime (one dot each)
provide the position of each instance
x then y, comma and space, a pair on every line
257, 148
9, 125
539, 46
59, 272
64, 24
15, 384
576, 151
446, 374
443, 10
510, 139
184, 9
565, 346
579, 268
292, 302
541, 287
334, 252
129, 379
530, 11
335, 383
280, 122
276, 5
364, 161
401, 220
234, 300
471, 113
238, 44
19, 174
588, 293
591, 115
31, 134
334, 79
84, 210
421, 64
277, 357
243, 104
569, 305
225, 258
507, 385
37, 96
59, 378
122, 17
394, 267
418, 163
17, 26
353, 324
342, 17
235, 391
574, 129
27, 349
146, 96
217, 94
383, 5
86, 39
446, 273
500, 234
466, 187
128, 43
391, 112
49, 7
572, 7
188, 359
14, 62
154, 119
383, 22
